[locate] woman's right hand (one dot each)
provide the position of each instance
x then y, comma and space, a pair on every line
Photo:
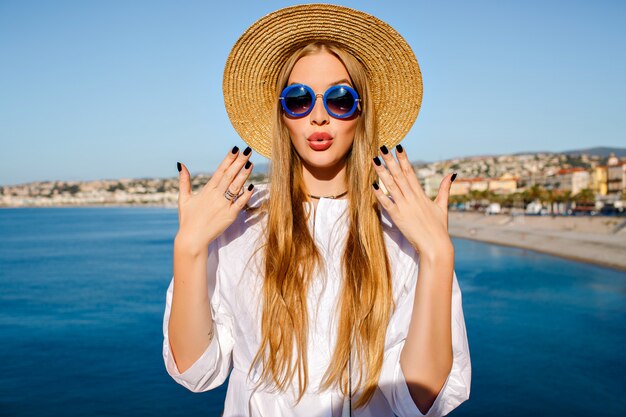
205, 215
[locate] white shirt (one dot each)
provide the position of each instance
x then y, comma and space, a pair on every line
235, 294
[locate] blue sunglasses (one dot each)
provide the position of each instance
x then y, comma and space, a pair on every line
340, 101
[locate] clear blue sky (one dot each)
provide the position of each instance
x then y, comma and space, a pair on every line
112, 89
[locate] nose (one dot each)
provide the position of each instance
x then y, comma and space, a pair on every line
319, 115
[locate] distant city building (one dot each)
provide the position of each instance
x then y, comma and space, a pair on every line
506, 184
613, 160
462, 186
569, 179
599, 180
479, 184
616, 178
431, 184
616, 175
498, 174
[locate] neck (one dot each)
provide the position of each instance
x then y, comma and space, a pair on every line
325, 181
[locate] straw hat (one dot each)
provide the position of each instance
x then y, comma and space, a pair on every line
253, 65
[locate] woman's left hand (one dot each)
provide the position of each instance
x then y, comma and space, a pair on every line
422, 221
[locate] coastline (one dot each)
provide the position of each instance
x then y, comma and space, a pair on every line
597, 240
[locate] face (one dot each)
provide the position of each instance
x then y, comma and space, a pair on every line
321, 140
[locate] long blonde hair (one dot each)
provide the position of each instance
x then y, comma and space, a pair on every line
291, 257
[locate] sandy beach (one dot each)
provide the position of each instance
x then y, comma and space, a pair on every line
598, 240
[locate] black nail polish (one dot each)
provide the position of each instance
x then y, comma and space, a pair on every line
247, 151
384, 150
179, 166
248, 163
234, 150
399, 148
377, 161
250, 187
375, 185
453, 177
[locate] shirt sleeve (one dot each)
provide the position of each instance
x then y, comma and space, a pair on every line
456, 388
213, 367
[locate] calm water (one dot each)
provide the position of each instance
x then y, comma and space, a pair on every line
81, 306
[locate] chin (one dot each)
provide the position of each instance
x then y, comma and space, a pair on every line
323, 159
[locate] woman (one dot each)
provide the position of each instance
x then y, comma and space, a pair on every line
323, 295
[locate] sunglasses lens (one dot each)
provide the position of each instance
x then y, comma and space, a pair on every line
298, 100
340, 101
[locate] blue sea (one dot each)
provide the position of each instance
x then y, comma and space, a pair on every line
82, 293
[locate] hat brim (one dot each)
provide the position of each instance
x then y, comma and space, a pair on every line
257, 57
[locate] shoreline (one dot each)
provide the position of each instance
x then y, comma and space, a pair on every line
597, 240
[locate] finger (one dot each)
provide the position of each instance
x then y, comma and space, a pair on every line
444, 191
240, 179
243, 199
184, 182
396, 172
388, 181
383, 199
221, 169
408, 170
232, 171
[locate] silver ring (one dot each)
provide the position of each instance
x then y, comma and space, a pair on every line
230, 196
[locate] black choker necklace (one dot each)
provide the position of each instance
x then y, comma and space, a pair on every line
330, 196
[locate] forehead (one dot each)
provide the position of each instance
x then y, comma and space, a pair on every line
318, 70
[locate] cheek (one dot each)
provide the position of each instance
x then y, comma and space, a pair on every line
294, 127
348, 130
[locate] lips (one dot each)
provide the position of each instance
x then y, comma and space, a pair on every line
319, 136
320, 141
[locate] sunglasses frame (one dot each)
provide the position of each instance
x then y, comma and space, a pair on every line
331, 89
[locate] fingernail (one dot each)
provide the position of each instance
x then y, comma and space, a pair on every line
179, 166
247, 151
384, 150
375, 185
234, 150
250, 187
377, 161
399, 148
453, 177
248, 163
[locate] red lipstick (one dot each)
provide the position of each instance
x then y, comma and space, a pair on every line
320, 141
320, 136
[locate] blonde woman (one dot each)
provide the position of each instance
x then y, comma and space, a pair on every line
318, 293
